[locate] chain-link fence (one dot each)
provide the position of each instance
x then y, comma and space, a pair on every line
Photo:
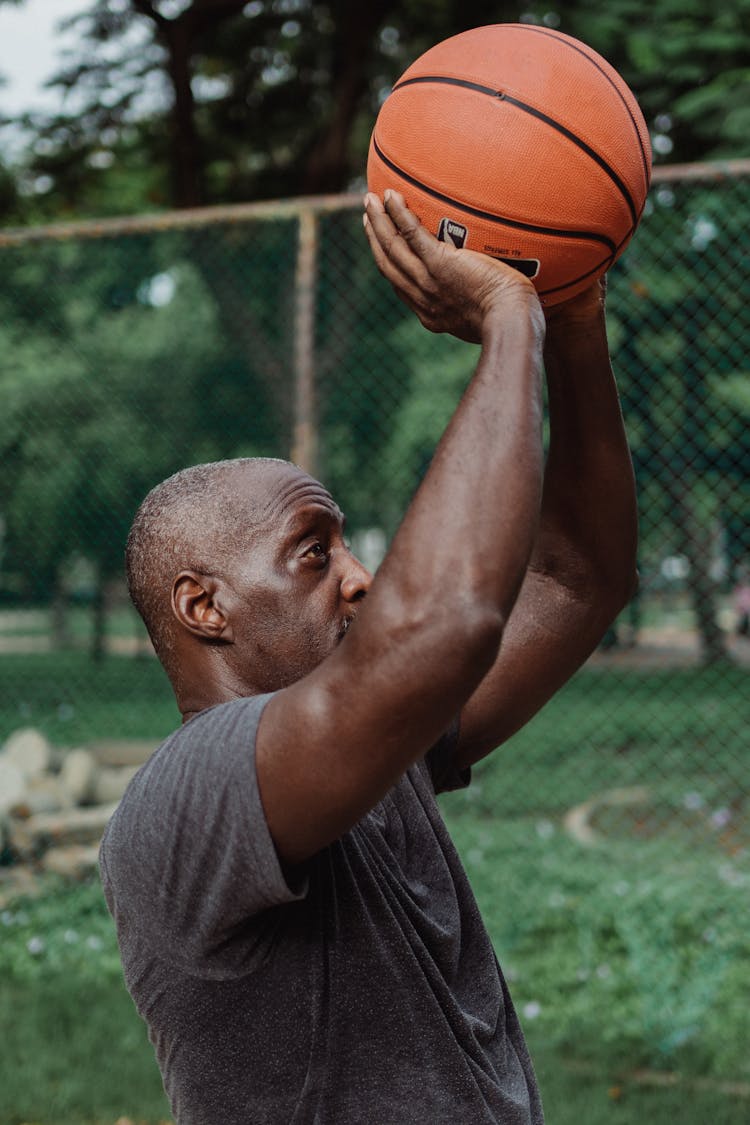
609, 841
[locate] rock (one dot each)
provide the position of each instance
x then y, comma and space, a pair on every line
18, 882
43, 794
112, 782
12, 784
78, 776
122, 751
74, 861
32, 837
577, 821
30, 750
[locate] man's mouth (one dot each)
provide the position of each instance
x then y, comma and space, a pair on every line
345, 627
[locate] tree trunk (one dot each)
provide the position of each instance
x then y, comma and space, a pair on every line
99, 618
59, 616
178, 35
186, 164
327, 165
693, 542
694, 455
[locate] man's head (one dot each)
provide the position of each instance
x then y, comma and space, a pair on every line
242, 576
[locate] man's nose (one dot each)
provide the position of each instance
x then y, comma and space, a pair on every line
356, 582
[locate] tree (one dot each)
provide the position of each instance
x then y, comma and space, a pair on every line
233, 76
203, 101
680, 358
117, 377
222, 100
689, 64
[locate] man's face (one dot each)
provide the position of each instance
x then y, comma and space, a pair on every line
298, 587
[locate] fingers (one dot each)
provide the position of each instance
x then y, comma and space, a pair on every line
405, 222
450, 290
390, 219
399, 244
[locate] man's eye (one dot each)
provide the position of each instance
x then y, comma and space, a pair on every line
315, 551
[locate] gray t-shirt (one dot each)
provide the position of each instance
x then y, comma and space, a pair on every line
364, 991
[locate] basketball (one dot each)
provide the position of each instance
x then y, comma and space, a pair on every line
520, 142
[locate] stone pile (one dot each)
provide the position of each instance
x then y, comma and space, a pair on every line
55, 804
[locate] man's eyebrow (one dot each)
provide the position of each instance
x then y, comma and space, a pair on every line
312, 515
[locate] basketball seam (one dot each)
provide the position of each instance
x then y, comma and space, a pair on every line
554, 232
589, 273
566, 41
533, 112
573, 281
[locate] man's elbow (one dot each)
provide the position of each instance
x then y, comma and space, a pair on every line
460, 632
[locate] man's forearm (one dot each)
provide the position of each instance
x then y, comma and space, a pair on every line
489, 461
589, 525
582, 567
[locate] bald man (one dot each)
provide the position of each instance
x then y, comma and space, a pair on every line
295, 925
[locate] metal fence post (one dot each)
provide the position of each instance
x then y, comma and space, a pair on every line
305, 432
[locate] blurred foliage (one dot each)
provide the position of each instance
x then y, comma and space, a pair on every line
131, 355
206, 102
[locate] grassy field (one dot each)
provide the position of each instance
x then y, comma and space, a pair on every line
628, 959
74, 700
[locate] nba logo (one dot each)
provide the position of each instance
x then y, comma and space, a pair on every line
451, 231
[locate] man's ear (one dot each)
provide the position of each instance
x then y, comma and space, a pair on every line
196, 605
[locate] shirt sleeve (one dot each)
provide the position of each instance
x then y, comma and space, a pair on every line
441, 762
187, 859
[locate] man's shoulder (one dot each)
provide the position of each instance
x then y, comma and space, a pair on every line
234, 720
195, 748
188, 844
221, 716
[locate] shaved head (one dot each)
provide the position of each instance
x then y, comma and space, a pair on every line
195, 520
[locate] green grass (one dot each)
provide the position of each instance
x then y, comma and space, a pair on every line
677, 729
672, 999
630, 955
73, 699
597, 1096
77, 1053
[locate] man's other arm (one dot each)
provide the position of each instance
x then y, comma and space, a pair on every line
582, 569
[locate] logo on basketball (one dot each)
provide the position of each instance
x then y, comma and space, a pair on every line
451, 231
529, 267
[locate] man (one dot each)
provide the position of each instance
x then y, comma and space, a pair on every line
295, 926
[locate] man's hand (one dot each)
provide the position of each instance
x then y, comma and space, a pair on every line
584, 311
449, 290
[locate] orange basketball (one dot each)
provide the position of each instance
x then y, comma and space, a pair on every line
520, 142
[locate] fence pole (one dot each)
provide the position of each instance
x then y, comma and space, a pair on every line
305, 433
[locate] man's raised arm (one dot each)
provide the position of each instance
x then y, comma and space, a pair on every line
331, 745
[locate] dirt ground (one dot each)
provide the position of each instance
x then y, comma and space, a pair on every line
666, 647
